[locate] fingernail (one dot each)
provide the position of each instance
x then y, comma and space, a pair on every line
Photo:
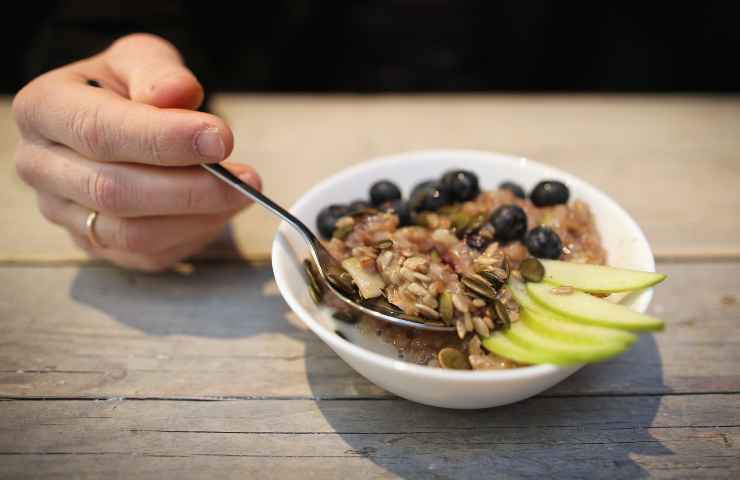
208, 143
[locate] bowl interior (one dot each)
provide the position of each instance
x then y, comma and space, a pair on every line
625, 243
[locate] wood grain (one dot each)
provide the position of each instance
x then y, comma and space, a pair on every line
672, 162
101, 332
675, 436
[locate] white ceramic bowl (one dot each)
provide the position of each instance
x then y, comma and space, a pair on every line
376, 361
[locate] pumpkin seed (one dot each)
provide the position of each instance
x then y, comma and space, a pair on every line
382, 305
363, 212
452, 358
445, 307
460, 220
449, 209
411, 318
313, 277
315, 296
342, 232
532, 270
345, 317
435, 256
341, 283
477, 222
502, 314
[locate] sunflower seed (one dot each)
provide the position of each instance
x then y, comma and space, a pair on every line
477, 302
460, 326
474, 346
417, 289
427, 311
452, 358
468, 322
491, 278
488, 321
480, 327
483, 290
460, 302
532, 270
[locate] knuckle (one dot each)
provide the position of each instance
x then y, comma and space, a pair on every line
134, 237
88, 129
106, 191
27, 165
49, 209
25, 108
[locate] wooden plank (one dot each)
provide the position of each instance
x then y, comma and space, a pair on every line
663, 158
696, 436
224, 331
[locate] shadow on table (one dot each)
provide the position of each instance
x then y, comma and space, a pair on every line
222, 301
578, 429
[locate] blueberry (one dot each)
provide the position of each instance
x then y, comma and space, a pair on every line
514, 188
542, 242
358, 205
510, 223
421, 186
549, 192
400, 208
477, 241
429, 198
384, 191
326, 221
461, 184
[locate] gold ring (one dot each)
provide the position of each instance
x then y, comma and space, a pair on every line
90, 224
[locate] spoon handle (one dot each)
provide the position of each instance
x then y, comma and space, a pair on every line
246, 189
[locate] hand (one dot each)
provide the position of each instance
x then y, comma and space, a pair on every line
130, 151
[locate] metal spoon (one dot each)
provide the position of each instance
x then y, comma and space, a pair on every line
328, 267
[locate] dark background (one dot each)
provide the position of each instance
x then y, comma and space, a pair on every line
402, 45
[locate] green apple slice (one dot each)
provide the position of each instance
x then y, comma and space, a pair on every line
550, 324
598, 278
562, 352
500, 345
585, 308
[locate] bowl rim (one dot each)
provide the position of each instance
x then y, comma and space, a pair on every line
472, 376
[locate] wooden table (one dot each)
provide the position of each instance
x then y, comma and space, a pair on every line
105, 372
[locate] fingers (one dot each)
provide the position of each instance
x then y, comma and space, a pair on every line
101, 125
130, 190
147, 262
159, 79
146, 235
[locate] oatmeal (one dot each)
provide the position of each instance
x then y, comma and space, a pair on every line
444, 257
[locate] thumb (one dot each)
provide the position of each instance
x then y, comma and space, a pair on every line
152, 70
